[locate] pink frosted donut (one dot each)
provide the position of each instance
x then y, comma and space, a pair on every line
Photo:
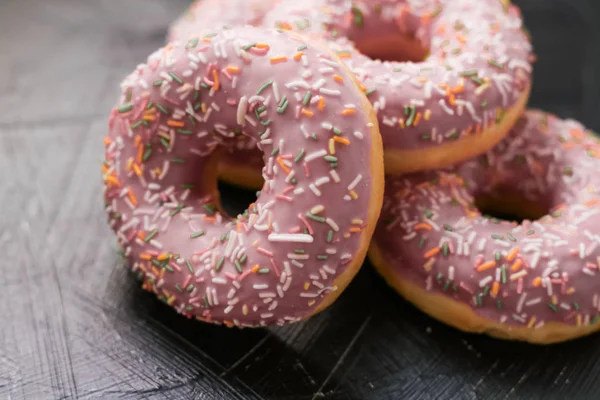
296, 248
459, 101
533, 281
206, 14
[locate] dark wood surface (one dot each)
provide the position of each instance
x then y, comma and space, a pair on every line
75, 325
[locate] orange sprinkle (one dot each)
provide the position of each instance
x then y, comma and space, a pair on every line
432, 252
487, 265
282, 165
232, 68
132, 198
136, 169
349, 111
306, 285
298, 55
417, 119
149, 117
338, 78
353, 194
137, 140
275, 60
423, 226
341, 140
512, 254
517, 265
344, 55
162, 257
140, 235
145, 256
112, 180
537, 282
578, 319
461, 38
176, 124
104, 168
570, 290
531, 322
308, 113
215, 80
495, 289
321, 104
107, 140
427, 114
451, 99
591, 203
401, 123
210, 219
140, 154
458, 88
354, 229
255, 268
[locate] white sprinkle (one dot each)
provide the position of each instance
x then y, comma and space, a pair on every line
485, 281
242, 109
290, 237
332, 224
335, 176
314, 189
521, 301
355, 182
315, 154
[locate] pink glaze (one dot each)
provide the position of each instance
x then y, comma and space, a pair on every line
277, 262
524, 274
207, 14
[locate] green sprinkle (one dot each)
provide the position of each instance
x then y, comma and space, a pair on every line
147, 154
497, 255
266, 123
264, 271
204, 85
503, 268
150, 235
576, 306
486, 290
299, 251
358, 17
264, 86
511, 237
307, 98
175, 78
224, 236
189, 265
439, 276
210, 35
196, 234
187, 186
176, 210
476, 80
594, 320
484, 104
190, 287
422, 242
469, 73
164, 142
445, 249
249, 46
497, 237
531, 232
370, 92
209, 208
123, 108
303, 47
314, 137
293, 181
568, 171
411, 116
447, 228
192, 43
179, 289
220, 264
553, 307
428, 213
499, 304
329, 236
479, 299
500, 116
238, 266
337, 131
283, 106
315, 217
330, 158
185, 131
496, 64
426, 136
299, 156
243, 259
162, 109
446, 285
275, 151
178, 160
206, 305
136, 124
322, 257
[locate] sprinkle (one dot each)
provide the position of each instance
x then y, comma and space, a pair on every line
196, 234
264, 86
486, 266
123, 108
290, 237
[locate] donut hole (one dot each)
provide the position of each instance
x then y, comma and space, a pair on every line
392, 47
511, 208
235, 200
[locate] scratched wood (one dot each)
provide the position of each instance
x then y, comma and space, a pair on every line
76, 325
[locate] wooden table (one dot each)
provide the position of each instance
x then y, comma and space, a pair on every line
75, 324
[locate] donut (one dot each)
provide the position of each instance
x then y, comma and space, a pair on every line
533, 281
204, 14
467, 87
296, 248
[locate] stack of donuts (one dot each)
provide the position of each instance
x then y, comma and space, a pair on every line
388, 126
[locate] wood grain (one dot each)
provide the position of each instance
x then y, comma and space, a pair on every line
77, 326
